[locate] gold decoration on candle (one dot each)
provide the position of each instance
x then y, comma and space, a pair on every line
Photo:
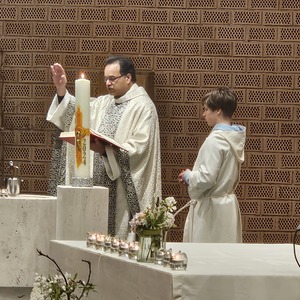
81, 133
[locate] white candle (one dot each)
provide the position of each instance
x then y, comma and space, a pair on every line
82, 126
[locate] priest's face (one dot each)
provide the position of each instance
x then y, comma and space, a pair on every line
117, 84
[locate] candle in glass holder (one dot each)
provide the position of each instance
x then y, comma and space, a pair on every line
114, 247
133, 250
178, 261
100, 239
82, 128
123, 248
91, 239
159, 256
107, 243
167, 257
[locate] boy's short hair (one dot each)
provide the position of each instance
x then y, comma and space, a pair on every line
221, 98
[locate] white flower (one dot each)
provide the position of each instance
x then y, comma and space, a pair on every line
59, 286
159, 217
171, 202
169, 220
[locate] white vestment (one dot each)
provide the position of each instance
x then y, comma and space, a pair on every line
216, 218
132, 120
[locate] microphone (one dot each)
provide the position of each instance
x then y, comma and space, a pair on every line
294, 245
191, 202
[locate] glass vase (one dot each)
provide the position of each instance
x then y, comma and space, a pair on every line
150, 241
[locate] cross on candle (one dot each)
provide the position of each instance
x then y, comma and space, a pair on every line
82, 126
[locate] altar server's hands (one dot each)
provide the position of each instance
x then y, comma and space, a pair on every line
183, 177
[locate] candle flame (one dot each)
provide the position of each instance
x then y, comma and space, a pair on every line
82, 75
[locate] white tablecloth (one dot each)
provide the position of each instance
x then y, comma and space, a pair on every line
215, 272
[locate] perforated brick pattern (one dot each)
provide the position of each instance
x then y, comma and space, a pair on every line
189, 47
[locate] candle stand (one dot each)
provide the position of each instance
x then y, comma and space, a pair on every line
80, 210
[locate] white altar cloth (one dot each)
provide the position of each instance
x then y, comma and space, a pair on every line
215, 271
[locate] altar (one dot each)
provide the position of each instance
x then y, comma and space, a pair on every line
27, 222
30, 222
215, 271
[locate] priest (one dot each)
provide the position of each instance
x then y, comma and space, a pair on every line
128, 115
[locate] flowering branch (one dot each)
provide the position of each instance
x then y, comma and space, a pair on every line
88, 280
61, 286
57, 266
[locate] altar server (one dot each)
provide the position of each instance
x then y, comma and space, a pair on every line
126, 114
215, 217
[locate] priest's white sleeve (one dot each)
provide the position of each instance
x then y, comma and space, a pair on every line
57, 111
111, 164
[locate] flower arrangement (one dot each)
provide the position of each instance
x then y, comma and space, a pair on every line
160, 217
61, 286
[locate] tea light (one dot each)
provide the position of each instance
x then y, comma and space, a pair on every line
133, 250
100, 239
82, 126
159, 256
107, 243
167, 257
114, 247
178, 261
91, 239
123, 248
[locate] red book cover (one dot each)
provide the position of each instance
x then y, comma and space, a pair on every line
69, 136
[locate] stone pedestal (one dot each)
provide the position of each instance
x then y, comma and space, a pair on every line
80, 210
27, 223
30, 222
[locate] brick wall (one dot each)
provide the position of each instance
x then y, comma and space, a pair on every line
191, 47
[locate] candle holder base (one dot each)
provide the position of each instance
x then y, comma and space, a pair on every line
82, 182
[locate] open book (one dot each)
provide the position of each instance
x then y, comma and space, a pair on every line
69, 136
